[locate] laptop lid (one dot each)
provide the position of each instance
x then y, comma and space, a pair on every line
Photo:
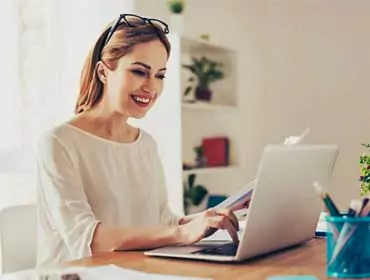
284, 209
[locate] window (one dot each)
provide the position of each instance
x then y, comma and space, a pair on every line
46, 44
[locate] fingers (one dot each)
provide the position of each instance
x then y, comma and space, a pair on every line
210, 231
224, 219
230, 215
232, 231
246, 202
222, 222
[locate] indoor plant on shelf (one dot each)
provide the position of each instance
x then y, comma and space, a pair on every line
193, 194
365, 172
206, 71
176, 6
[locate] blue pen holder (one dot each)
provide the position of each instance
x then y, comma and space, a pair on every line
348, 247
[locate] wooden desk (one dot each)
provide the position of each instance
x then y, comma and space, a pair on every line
305, 259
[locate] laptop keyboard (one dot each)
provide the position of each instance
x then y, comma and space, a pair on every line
228, 249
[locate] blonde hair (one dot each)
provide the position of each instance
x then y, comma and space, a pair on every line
121, 43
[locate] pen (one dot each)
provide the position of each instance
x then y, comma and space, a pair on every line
366, 210
351, 212
329, 204
363, 211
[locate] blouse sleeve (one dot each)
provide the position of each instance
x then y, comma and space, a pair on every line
62, 199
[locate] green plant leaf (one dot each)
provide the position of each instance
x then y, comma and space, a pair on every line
198, 67
188, 90
190, 67
205, 70
186, 190
198, 151
198, 193
204, 60
191, 180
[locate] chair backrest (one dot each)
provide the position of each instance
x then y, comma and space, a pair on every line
18, 238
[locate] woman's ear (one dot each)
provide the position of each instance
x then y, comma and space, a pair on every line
101, 71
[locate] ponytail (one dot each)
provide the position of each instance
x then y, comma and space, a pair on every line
91, 88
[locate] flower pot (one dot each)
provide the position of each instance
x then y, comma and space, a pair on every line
203, 94
176, 6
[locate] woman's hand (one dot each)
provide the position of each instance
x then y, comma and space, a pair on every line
208, 222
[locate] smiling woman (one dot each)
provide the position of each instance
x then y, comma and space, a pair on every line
101, 184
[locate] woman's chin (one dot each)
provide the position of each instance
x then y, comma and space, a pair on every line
138, 115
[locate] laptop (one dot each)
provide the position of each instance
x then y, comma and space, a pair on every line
284, 207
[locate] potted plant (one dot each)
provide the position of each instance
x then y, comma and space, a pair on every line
206, 71
365, 172
176, 6
193, 194
200, 160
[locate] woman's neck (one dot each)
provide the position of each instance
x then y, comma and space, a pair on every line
108, 125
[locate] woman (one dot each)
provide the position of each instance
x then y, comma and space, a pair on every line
101, 185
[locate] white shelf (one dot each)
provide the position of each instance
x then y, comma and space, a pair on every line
203, 106
218, 117
199, 45
210, 170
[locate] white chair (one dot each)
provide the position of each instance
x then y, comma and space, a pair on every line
18, 238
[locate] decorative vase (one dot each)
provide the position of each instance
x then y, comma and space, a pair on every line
203, 94
201, 161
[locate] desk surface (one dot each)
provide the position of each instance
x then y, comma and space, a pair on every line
308, 259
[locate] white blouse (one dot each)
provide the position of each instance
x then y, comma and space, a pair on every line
84, 179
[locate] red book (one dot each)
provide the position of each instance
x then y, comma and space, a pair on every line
216, 151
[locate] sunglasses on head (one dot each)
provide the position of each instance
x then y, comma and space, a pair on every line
134, 21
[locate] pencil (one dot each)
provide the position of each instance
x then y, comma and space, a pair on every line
363, 211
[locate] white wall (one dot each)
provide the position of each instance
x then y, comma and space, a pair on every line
9, 83
302, 63
310, 67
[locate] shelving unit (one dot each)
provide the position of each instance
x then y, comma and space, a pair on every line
219, 117
211, 170
203, 106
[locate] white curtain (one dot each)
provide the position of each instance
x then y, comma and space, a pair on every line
44, 45
9, 77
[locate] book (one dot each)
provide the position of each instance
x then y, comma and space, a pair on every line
216, 151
